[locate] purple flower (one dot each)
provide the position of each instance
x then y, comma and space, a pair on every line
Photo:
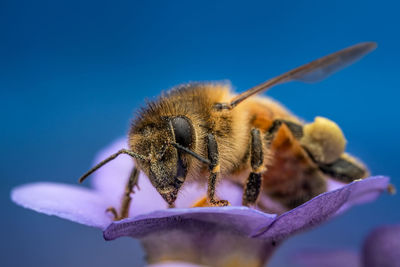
381, 248
212, 236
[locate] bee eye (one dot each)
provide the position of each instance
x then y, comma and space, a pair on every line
182, 130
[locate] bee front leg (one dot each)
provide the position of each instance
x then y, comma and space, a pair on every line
253, 185
214, 168
126, 199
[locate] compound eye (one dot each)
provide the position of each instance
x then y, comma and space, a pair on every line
182, 130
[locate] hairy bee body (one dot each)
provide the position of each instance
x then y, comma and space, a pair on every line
204, 132
290, 176
196, 102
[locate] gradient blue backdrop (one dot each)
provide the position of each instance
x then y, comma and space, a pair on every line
73, 72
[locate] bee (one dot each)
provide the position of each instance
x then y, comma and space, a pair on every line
204, 132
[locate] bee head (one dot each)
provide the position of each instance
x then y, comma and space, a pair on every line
165, 166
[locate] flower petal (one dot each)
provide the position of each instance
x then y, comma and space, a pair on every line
365, 191
110, 179
332, 184
239, 234
239, 219
382, 247
324, 206
251, 222
73, 203
208, 236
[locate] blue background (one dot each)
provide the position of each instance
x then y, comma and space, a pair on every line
72, 73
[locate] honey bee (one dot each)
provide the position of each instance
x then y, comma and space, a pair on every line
204, 132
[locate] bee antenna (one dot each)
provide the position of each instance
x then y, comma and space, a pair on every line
110, 158
190, 152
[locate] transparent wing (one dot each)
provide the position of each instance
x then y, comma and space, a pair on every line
312, 72
320, 69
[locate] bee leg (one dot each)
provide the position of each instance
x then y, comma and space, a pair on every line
126, 200
202, 202
253, 185
295, 128
214, 168
114, 212
345, 169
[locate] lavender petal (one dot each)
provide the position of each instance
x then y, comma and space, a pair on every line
382, 247
239, 219
324, 206
110, 179
251, 222
207, 236
73, 203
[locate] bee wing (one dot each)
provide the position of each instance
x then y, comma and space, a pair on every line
314, 71
321, 68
